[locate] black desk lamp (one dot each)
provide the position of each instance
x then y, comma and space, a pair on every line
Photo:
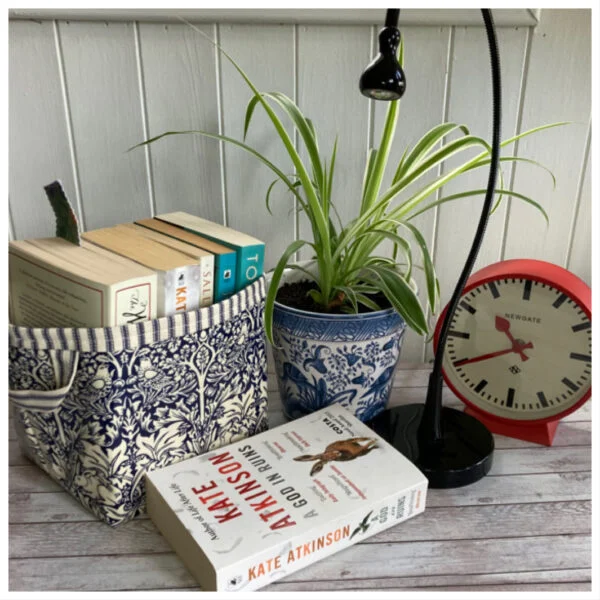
449, 446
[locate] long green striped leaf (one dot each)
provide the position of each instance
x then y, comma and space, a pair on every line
480, 193
276, 280
401, 296
430, 276
486, 161
425, 145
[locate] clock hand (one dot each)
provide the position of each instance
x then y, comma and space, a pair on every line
518, 348
503, 324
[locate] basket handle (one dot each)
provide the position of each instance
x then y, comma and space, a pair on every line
65, 368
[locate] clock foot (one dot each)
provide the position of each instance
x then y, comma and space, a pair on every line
538, 433
462, 457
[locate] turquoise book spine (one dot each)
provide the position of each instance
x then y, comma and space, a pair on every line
250, 264
225, 275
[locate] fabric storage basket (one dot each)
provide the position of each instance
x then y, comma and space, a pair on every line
97, 408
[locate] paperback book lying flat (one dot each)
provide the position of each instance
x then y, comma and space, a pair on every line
252, 512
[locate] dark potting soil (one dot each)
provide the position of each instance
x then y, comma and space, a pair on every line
295, 295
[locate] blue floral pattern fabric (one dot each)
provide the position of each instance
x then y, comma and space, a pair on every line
197, 382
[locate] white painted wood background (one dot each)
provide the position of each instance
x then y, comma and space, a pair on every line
82, 92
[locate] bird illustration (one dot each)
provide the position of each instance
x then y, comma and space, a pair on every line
362, 526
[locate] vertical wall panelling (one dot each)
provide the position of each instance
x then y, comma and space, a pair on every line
331, 60
579, 255
422, 107
181, 94
296, 134
102, 80
82, 93
470, 103
11, 227
265, 53
144, 113
38, 139
558, 89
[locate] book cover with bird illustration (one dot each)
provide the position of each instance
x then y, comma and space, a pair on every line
250, 513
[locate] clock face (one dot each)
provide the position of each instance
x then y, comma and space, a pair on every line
519, 349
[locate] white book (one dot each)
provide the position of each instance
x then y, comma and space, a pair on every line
178, 274
252, 512
54, 283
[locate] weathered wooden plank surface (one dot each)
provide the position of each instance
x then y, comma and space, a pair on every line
492, 535
462, 557
47, 539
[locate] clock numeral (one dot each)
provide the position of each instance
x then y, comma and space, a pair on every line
480, 385
527, 290
494, 289
581, 326
542, 399
510, 397
558, 302
583, 357
569, 384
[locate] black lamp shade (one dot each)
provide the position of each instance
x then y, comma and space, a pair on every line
384, 78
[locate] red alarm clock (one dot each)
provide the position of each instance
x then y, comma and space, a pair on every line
519, 347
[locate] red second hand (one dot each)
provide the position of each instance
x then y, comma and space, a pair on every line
518, 348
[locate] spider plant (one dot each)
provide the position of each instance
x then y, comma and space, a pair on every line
349, 272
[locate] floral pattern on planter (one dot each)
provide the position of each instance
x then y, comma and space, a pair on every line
346, 359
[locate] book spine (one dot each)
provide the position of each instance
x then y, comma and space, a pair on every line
179, 290
225, 276
251, 260
207, 280
134, 301
302, 550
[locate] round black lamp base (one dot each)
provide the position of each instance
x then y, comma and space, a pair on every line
463, 456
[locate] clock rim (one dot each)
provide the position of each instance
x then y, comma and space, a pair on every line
537, 270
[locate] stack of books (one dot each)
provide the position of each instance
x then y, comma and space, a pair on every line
131, 272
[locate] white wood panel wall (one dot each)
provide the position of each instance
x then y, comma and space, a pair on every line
82, 93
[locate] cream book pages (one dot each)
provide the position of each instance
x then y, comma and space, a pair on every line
252, 512
178, 274
205, 259
46, 290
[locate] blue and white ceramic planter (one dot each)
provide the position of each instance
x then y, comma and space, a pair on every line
349, 359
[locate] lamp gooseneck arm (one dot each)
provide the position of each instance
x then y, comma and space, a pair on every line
430, 429
391, 17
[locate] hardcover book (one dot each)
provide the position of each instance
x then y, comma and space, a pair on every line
205, 259
225, 258
250, 252
250, 513
55, 283
178, 273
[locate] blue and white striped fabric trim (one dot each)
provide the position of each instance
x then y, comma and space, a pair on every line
49, 399
114, 339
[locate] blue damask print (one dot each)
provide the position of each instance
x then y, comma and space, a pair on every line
345, 359
142, 408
